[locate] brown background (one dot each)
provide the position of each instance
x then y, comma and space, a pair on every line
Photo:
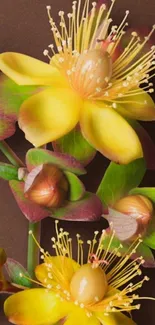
24, 28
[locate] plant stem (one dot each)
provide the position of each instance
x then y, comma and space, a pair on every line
33, 251
9, 153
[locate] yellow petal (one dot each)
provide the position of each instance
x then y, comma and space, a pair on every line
140, 107
109, 133
61, 268
114, 319
49, 115
82, 317
25, 70
35, 307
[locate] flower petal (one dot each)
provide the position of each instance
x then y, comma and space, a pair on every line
34, 306
140, 107
79, 316
115, 319
62, 266
109, 133
49, 115
25, 70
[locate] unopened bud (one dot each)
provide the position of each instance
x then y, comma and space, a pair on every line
138, 207
46, 185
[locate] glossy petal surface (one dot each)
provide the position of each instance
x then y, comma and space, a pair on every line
49, 115
34, 306
109, 133
25, 70
142, 108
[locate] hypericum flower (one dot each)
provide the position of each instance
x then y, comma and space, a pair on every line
76, 293
87, 82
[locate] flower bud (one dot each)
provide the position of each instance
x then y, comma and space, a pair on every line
138, 207
47, 186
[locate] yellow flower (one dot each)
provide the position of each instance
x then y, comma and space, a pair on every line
87, 83
75, 293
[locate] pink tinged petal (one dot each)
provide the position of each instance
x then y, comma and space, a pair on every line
109, 133
31, 211
49, 115
89, 208
140, 107
25, 70
36, 157
125, 226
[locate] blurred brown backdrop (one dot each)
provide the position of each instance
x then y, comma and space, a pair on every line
24, 28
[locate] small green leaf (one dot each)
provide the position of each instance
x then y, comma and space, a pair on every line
76, 187
75, 145
8, 172
36, 157
149, 192
118, 180
17, 273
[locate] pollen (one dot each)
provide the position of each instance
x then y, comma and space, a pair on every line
85, 48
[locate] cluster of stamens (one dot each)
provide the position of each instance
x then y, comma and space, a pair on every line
119, 270
132, 69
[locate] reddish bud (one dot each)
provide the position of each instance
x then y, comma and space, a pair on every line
47, 186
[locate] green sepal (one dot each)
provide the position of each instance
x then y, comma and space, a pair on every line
118, 180
149, 192
75, 145
15, 270
76, 187
36, 157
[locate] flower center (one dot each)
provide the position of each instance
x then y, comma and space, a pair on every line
93, 71
89, 284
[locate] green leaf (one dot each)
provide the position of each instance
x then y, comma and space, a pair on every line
13, 95
89, 208
115, 243
149, 238
76, 187
15, 270
8, 172
142, 249
36, 157
149, 192
11, 98
118, 180
75, 145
